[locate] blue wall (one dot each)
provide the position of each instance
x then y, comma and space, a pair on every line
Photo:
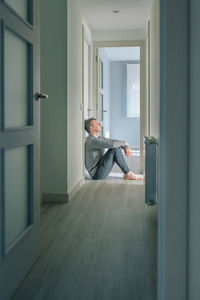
121, 127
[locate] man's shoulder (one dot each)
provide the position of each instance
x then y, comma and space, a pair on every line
90, 138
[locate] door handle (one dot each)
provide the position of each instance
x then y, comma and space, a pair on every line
40, 96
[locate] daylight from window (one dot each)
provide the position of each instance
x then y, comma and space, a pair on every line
133, 90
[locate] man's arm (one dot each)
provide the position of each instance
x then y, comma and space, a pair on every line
126, 147
101, 143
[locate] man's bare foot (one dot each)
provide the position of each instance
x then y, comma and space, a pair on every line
132, 176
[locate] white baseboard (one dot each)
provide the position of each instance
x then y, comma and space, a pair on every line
62, 197
55, 197
75, 189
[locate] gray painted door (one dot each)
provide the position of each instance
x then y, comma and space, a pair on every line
194, 161
19, 141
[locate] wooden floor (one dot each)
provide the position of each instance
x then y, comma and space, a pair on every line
100, 246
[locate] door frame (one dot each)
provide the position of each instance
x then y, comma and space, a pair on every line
143, 111
86, 38
99, 90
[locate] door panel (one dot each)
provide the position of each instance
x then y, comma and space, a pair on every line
20, 7
17, 213
19, 142
16, 52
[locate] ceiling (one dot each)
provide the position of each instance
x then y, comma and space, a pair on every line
133, 14
123, 53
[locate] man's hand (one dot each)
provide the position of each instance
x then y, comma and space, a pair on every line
128, 152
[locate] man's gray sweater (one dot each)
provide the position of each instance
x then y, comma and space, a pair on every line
94, 150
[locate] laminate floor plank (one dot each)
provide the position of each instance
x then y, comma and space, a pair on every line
100, 246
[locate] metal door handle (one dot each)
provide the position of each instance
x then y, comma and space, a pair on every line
40, 96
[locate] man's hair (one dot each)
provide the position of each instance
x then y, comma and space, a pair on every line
88, 124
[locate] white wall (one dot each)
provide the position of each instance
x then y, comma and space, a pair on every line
154, 18
53, 110
75, 157
61, 77
194, 160
74, 95
118, 35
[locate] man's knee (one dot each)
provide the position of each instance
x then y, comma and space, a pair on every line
114, 149
114, 152
117, 150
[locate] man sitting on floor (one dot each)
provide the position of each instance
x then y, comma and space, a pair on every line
98, 164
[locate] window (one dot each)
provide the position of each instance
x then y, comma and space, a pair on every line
133, 90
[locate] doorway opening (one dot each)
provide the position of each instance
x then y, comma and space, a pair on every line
118, 99
119, 96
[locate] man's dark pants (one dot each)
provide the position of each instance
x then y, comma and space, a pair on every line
105, 164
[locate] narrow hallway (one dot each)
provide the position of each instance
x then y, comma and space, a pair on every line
102, 245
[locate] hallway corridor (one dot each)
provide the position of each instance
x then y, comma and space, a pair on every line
100, 246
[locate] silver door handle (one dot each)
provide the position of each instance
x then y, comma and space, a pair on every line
40, 96
104, 110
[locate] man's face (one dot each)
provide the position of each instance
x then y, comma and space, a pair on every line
96, 127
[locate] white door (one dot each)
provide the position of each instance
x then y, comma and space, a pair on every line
100, 92
19, 141
87, 74
86, 80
